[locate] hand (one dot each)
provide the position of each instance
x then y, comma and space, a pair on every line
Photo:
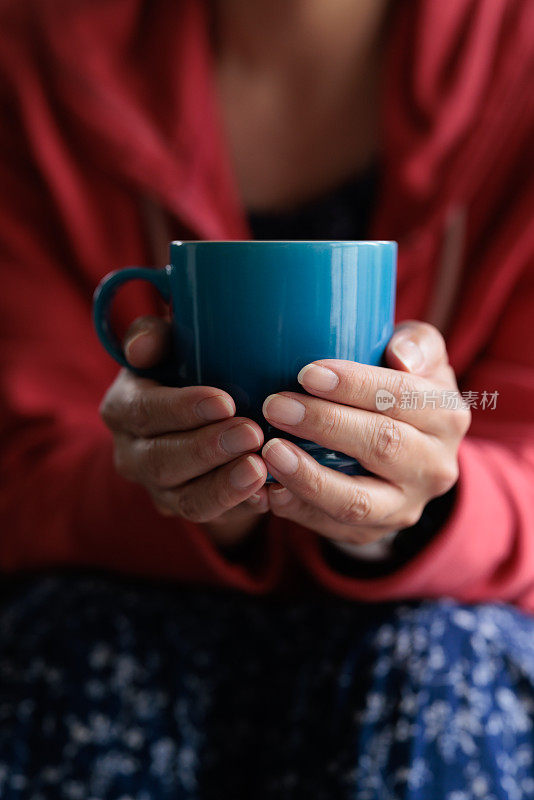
412, 453
185, 446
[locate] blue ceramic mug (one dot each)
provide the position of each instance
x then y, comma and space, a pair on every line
247, 316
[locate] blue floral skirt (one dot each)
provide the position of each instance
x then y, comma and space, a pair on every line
112, 690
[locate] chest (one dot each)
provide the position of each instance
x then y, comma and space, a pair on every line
288, 145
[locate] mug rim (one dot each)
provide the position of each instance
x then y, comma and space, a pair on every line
178, 242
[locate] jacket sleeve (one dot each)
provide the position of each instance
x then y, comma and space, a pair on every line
485, 549
61, 501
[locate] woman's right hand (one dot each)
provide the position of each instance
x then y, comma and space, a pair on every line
184, 445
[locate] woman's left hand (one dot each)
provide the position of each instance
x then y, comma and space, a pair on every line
411, 451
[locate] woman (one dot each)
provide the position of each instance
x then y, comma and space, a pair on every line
130, 124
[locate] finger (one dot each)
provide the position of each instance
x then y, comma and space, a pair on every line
387, 447
349, 500
417, 347
211, 495
259, 501
144, 408
430, 407
167, 461
147, 342
286, 505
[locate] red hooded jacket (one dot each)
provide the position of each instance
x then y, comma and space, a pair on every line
109, 113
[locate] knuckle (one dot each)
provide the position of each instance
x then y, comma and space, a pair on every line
187, 506
468, 418
428, 331
332, 420
444, 478
410, 517
122, 463
419, 331
463, 418
163, 507
155, 464
313, 486
360, 385
356, 509
108, 409
400, 385
387, 441
104, 410
138, 415
456, 421
224, 497
202, 450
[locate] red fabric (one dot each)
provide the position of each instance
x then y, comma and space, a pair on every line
109, 106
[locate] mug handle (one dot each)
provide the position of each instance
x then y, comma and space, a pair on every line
103, 298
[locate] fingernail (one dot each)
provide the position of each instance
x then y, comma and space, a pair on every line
280, 456
245, 473
259, 503
216, 407
408, 352
279, 408
240, 438
281, 496
137, 336
318, 379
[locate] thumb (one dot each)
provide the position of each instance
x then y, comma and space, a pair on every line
147, 342
417, 347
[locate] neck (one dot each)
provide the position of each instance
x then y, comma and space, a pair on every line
263, 33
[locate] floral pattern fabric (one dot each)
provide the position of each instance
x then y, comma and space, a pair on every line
116, 690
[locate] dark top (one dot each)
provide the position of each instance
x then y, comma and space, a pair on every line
345, 213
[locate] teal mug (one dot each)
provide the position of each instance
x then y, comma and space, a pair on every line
247, 316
